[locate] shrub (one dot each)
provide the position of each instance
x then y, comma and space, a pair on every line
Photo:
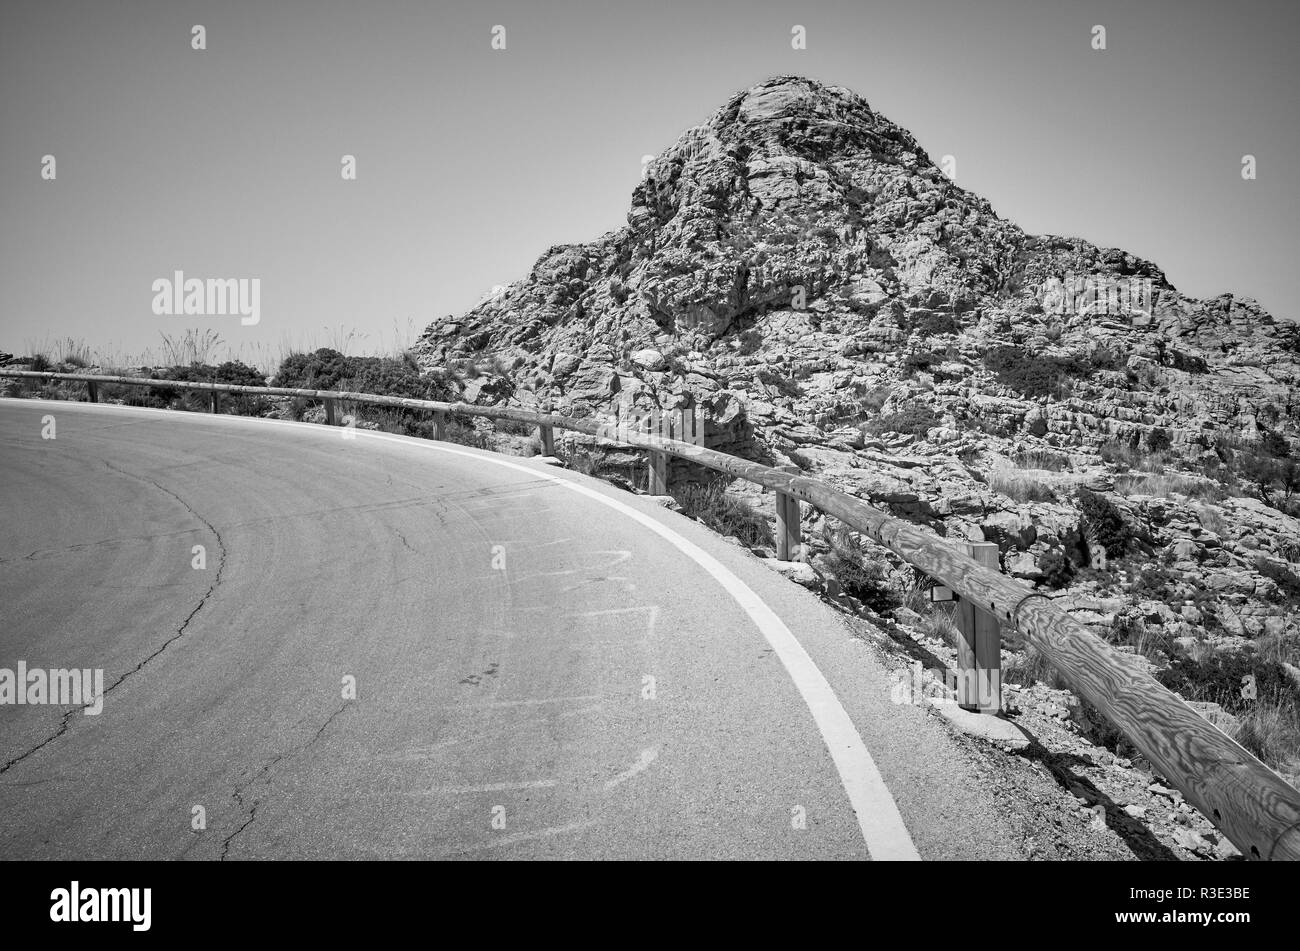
871, 400
1119, 453
921, 360
1288, 585
933, 323
726, 515
859, 572
1034, 374
1158, 440
1033, 667
1057, 568
783, 385
749, 342
1155, 584
1166, 485
1113, 531
327, 369
914, 419
1042, 459
233, 372
1018, 486
1271, 731
1104, 358
1222, 678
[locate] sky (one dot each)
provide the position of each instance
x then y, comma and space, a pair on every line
470, 162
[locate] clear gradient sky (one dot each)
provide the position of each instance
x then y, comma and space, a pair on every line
471, 162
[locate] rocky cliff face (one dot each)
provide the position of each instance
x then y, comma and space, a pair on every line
801, 269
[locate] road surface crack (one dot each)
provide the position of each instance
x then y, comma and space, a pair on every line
66, 721
239, 793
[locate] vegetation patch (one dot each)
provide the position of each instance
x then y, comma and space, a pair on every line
1034, 374
861, 573
914, 419
725, 514
1021, 487
1113, 531
1288, 585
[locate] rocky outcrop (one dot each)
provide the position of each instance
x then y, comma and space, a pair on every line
798, 267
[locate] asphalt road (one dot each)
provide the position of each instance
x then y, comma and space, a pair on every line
544, 666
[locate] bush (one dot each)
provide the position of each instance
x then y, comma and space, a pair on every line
871, 400
1042, 459
1270, 731
1155, 584
1158, 440
859, 573
1119, 453
1166, 485
1113, 531
915, 419
933, 323
1033, 667
1265, 465
726, 515
919, 360
1288, 585
1022, 488
232, 372
1034, 374
327, 369
1057, 568
783, 385
1221, 678
750, 341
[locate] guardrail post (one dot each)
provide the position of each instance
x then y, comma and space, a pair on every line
216, 401
789, 535
546, 436
439, 426
788, 532
979, 644
331, 413
92, 392
658, 482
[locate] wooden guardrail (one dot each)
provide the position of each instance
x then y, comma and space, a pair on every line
1256, 809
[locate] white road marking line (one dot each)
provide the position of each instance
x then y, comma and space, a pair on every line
641, 765
878, 817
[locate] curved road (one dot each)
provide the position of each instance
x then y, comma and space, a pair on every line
544, 666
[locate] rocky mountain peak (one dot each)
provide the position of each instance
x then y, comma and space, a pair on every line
799, 271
